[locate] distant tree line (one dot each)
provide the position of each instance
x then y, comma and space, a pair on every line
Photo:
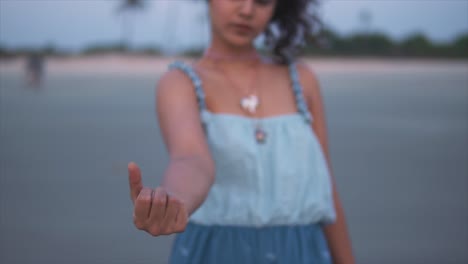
379, 44
331, 44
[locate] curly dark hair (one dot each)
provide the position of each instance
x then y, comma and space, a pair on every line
295, 23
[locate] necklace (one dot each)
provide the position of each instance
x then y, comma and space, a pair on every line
250, 101
260, 133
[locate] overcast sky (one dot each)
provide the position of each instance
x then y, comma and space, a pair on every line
174, 24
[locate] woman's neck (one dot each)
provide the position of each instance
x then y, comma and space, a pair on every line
224, 52
234, 60
230, 56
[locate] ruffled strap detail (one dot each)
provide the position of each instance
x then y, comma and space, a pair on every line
298, 93
196, 81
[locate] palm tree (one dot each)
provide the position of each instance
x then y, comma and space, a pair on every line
365, 17
127, 10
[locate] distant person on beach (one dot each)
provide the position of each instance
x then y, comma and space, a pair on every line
249, 178
35, 69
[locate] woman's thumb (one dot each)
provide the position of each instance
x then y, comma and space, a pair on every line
134, 179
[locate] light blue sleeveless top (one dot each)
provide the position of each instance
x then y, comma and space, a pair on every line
283, 181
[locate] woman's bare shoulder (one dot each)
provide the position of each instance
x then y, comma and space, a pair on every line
174, 81
309, 80
307, 76
275, 69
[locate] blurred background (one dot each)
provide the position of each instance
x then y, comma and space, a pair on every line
77, 93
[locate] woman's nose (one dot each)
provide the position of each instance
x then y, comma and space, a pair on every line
247, 7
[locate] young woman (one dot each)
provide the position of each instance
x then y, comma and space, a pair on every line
248, 179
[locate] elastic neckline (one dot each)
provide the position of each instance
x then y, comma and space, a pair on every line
285, 116
295, 83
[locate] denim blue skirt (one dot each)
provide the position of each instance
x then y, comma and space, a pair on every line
206, 244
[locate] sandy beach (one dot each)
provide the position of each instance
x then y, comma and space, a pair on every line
144, 65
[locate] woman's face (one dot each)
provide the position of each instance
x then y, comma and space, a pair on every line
239, 22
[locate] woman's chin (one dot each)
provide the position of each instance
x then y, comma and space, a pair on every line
241, 41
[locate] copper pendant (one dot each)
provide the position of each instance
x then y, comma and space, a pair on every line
260, 135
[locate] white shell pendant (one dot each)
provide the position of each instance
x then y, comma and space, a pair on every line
249, 103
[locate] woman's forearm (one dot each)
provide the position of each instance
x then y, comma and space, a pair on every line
339, 241
338, 238
189, 179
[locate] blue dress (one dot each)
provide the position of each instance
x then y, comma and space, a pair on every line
270, 200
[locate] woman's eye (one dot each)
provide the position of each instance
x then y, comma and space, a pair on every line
260, 2
264, 2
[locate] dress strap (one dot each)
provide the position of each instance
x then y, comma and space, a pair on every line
196, 81
298, 94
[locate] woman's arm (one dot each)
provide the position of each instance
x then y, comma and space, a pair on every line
190, 173
337, 235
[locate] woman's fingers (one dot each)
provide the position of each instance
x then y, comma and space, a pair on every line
158, 208
168, 223
142, 208
158, 213
181, 219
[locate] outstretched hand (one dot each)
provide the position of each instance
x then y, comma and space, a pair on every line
155, 211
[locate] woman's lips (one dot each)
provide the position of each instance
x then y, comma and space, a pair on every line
244, 29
